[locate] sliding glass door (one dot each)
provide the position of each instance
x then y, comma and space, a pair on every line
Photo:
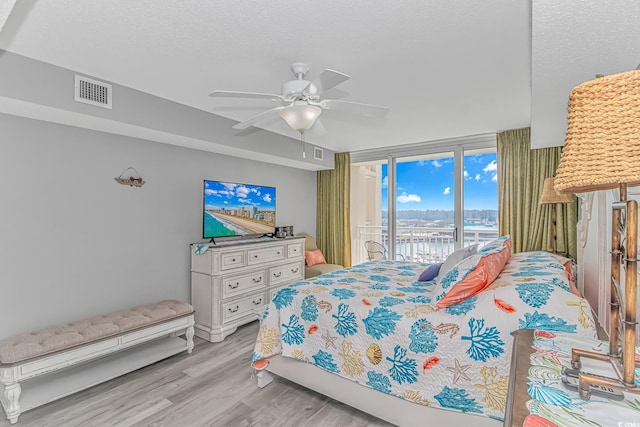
425, 207
422, 207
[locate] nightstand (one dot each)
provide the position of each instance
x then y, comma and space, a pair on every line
543, 388
517, 397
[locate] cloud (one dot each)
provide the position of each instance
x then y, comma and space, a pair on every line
494, 178
421, 162
267, 198
385, 182
477, 177
228, 185
436, 164
491, 167
466, 174
242, 191
447, 190
406, 198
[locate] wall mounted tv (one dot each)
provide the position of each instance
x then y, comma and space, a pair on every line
234, 209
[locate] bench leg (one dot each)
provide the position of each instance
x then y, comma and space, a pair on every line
189, 334
10, 400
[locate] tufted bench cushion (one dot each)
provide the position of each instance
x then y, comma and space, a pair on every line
51, 340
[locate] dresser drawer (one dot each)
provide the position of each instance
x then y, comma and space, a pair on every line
285, 273
294, 250
232, 260
257, 256
243, 306
235, 285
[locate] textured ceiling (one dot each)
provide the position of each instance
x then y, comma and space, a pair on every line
444, 68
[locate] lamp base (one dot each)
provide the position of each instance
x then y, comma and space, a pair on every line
624, 246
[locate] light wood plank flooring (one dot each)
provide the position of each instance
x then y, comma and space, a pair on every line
210, 387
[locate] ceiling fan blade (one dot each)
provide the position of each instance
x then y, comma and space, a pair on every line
258, 118
252, 95
317, 129
354, 107
325, 81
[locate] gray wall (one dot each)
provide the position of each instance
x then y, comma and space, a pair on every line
74, 243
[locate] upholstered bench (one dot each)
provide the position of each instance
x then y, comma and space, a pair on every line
39, 367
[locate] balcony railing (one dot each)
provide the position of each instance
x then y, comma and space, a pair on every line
420, 244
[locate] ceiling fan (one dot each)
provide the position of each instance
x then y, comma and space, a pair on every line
302, 101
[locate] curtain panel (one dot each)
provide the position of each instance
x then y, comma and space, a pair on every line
521, 174
333, 230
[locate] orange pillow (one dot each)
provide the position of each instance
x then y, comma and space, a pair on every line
568, 266
314, 257
470, 276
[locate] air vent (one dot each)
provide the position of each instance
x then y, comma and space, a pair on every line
92, 92
318, 153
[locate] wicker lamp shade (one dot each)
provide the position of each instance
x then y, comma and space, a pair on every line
549, 194
602, 144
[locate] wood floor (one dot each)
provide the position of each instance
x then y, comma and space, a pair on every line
210, 387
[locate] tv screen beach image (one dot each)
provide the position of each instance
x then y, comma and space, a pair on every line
232, 209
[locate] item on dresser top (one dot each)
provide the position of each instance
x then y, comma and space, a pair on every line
236, 209
90, 351
374, 324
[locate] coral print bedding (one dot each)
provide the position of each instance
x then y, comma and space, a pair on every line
377, 325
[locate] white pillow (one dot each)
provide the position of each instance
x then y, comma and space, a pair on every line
455, 258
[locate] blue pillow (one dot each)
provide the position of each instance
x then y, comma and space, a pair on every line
430, 273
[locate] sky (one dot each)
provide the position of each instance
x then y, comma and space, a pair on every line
428, 184
230, 195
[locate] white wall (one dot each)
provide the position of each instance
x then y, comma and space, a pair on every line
74, 243
571, 42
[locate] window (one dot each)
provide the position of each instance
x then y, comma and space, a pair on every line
423, 206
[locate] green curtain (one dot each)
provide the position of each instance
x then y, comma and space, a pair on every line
333, 218
521, 174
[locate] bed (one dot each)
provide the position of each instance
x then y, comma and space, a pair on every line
376, 338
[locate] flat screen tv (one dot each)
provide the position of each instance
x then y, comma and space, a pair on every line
234, 209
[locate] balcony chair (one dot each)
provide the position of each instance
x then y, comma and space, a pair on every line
376, 251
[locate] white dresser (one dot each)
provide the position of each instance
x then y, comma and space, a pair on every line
232, 283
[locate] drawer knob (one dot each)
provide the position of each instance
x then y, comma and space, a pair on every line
257, 302
234, 285
257, 279
233, 310
294, 270
278, 253
233, 260
278, 274
255, 256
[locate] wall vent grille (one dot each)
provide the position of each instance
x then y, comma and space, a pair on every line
318, 153
93, 92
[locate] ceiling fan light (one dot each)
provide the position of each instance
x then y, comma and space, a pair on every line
301, 116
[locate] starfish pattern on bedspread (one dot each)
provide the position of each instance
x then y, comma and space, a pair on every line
377, 325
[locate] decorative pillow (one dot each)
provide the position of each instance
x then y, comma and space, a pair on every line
470, 276
430, 273
314, 257
569, 266
496, 244
455, 258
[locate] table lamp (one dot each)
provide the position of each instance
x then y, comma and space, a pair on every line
549, 196
602, 151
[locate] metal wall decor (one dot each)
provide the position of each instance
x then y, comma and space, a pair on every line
131, 177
